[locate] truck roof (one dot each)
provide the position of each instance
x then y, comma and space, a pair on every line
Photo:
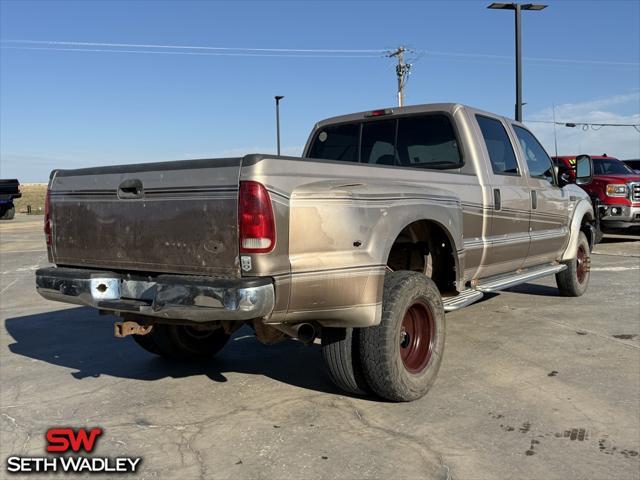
426, 107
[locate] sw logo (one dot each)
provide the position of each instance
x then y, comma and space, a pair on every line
67, 440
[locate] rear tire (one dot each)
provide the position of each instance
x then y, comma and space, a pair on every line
341, 354
181, 342
8, 212
574, 280
401, 356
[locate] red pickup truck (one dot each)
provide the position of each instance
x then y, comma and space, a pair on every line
615, 190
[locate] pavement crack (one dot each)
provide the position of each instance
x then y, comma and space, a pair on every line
10, 418
428, 455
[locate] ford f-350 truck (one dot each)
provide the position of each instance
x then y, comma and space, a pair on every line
391, 218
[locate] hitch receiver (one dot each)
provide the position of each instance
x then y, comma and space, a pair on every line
123, 329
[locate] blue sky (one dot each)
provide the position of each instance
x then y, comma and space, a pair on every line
67, 109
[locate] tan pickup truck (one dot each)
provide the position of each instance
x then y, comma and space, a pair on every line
391, 218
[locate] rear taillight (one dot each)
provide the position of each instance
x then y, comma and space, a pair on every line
47, 217
255, 219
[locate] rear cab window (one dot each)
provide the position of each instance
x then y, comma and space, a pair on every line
499, 147
426, 141
378, 142
337, 142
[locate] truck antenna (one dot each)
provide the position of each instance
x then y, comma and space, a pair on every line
555, 129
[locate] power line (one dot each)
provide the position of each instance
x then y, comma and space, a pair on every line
192, 47
587, 125
533, 59
573, 124
310, 51
211, 54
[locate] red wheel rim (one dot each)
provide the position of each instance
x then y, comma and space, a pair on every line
417, 335
582, 267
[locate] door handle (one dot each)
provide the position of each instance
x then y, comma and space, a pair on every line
534, 199
131, 188
497, 200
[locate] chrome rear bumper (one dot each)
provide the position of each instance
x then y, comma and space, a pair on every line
199, 299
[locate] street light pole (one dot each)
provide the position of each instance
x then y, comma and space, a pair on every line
517, 8
278, 98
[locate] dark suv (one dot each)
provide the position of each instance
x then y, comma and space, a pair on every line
9, 190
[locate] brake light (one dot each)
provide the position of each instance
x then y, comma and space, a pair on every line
255, 219
47, 217
379, 113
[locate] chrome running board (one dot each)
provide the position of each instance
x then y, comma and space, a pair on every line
464, 298
505, 281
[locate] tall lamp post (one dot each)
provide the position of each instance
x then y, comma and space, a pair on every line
518, 7
278, 98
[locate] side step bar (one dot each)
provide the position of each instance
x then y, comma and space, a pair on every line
505, 281
464, 298
494, 284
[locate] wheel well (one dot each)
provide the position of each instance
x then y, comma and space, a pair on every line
424, 246
587, 226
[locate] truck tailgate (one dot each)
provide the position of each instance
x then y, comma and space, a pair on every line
177, 217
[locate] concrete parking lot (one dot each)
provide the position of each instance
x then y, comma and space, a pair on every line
532, 386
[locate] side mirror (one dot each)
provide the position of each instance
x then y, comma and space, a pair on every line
563, 175
584, 170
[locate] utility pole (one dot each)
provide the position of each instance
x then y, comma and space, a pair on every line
402, 72
517, 8
278, 98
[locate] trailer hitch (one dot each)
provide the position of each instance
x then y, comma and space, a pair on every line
123, 329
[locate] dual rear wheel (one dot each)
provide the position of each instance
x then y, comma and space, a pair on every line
399, 358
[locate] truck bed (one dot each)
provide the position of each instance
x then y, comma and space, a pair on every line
9, 189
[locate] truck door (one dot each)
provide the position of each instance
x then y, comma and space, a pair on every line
549, 222
507, 244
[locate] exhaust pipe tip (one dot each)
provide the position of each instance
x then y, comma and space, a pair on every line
306, 333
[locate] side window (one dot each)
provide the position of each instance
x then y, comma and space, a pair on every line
378, 142
537, 159
503, 160
428, 141
337, 142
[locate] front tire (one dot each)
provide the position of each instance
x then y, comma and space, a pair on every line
574, 280
182, 342
401, 356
